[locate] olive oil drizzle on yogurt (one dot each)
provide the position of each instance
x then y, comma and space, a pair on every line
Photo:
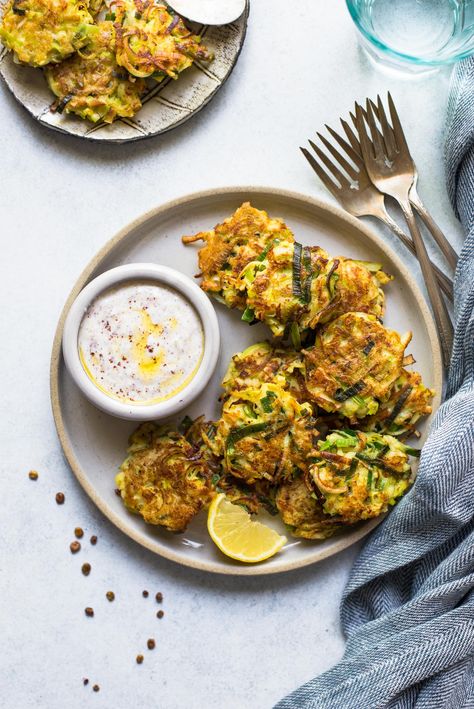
141, 342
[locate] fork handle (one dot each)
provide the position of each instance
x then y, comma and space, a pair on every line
440, 311
445, 283
444, 245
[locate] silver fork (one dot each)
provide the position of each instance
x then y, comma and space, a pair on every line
358, 195
390, 168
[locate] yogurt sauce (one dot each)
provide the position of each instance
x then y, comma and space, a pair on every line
141, 342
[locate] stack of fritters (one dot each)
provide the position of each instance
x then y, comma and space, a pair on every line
96, 66
312, 433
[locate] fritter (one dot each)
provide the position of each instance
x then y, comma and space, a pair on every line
165, 478
360, 474
40, 32
153, 41
264, 433
302, 512
265, 363
354, 364
296, 288
91, 84
409, 400
229, 247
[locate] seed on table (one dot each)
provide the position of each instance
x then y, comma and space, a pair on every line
78, 532
85, 681
139, 659
110, 595
160, 614
60, 498
86, 569
33, 475
145, 594
159, 597
150, 643
93, 539
96, 687
74, 547
89, 612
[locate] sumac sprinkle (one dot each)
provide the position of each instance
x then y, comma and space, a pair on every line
160, 614
74, 547
89, 612
159, 597
60, 498
33, 475
78, 532
93, 539
110, 596
145, 594
139, 659
150, 643
86, 569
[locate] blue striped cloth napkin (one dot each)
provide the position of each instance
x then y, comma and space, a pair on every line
408, 608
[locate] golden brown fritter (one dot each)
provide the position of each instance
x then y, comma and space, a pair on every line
153, 41
354, 364
43, 31
303, 513
231, 246
165, 478
91, 84
409, 401
265, 363
264, 433
360, 475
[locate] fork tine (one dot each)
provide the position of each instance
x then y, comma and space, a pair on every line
397, 126
351, 171
323, 176
365, 143
353, 154
387, 129
343, 181
377, 140
351, 135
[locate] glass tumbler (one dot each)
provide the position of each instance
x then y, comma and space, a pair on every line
416, 35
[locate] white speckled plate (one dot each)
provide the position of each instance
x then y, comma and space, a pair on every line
95, 444
165, 106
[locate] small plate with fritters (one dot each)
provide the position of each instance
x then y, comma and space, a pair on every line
167, 102
95, 444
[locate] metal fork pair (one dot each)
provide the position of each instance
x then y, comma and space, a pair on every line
383, 165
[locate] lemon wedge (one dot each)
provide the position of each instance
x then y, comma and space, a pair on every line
238, 536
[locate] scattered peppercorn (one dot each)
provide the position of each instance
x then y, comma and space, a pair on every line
139, 659
89, 612
117, 492
110, 595
78, 532
60, 498
86, 569
145, 594
93, 539
150, 643
159, 597
85, 681
96, 687
160, 614
74, 547
33, 475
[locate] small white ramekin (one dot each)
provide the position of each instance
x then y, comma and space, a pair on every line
146, 272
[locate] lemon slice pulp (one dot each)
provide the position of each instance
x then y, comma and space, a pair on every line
238, 536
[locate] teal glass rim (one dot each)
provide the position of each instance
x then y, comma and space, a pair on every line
400, 56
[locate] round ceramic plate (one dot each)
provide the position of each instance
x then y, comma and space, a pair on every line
95, 444
165, 106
